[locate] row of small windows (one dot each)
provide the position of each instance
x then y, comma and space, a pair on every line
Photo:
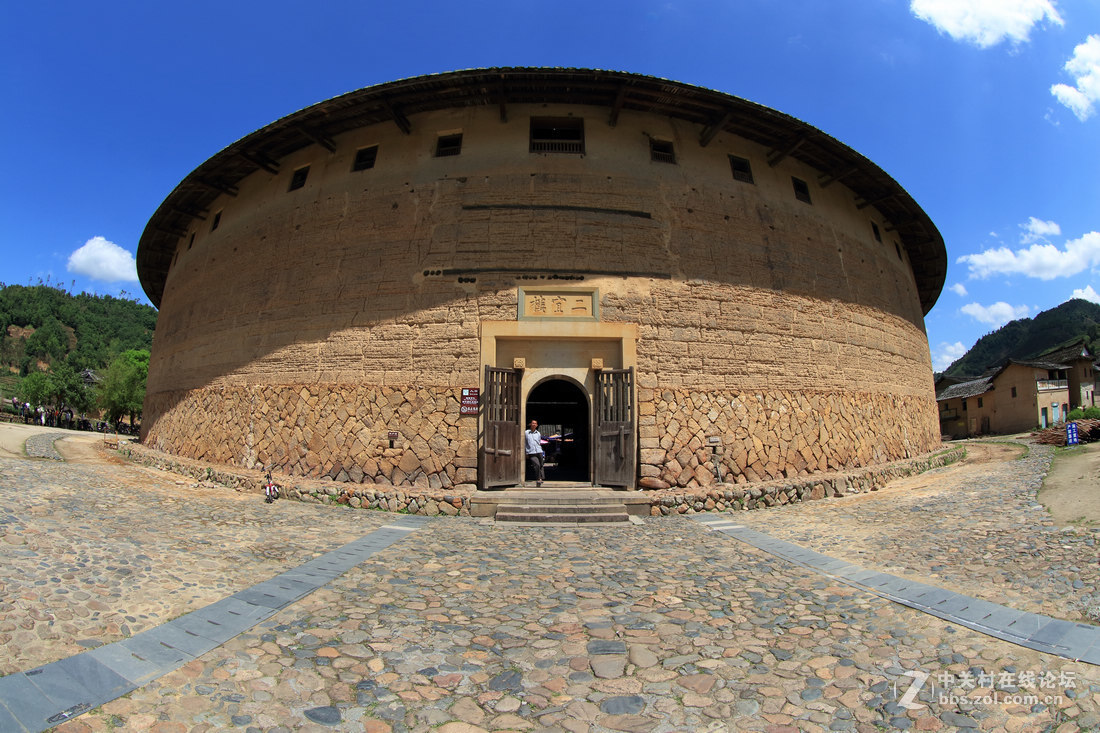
364, 159
558, 135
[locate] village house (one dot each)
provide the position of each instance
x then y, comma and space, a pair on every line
1019, 395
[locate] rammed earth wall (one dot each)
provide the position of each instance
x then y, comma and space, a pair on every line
300, 326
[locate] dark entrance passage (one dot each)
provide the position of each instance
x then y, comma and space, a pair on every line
561, 409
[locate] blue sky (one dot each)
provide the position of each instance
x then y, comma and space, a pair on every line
986, 111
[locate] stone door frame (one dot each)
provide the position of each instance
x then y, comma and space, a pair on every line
620, 338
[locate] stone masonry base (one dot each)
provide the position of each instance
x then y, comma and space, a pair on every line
410, 500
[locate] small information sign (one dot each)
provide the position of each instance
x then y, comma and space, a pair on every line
1071, 433
468, 404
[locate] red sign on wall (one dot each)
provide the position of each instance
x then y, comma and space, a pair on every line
471, 397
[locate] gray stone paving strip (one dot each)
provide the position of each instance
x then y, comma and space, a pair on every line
1076, 641
53, 693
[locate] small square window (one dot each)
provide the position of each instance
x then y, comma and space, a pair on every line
742, 171
217, 220
298, 179
1013, 391
557, 135
979, 402
878, 234
364, 158
661, 151
801, 190
448, 145
964, 405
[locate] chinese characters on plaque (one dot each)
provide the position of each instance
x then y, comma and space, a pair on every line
549, 303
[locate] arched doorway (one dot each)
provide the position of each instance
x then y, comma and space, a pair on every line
561, 409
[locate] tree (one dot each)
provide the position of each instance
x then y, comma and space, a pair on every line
67, 388
35, 389
122, 391
49, 342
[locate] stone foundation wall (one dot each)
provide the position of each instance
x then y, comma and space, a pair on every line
722, 498
323, 430
774, 435
341, 432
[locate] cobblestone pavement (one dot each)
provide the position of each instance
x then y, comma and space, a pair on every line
40, 445
466, 625
93, 553
976, 529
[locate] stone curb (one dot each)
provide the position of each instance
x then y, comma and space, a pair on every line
663, 502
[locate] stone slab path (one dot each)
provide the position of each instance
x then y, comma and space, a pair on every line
1076, 641
41, 698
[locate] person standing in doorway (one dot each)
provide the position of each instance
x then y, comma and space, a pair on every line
535, 454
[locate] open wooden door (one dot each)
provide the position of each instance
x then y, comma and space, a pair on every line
613, 440
502, 446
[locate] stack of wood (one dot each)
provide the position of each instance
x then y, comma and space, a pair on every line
1088, 431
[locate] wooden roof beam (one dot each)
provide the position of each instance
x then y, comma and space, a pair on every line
261, 161
323, 140
199, 214
712, 130
228, 190
502, 99
171, 231
833, 176
877, 201
778, 156
617, 106
399, 119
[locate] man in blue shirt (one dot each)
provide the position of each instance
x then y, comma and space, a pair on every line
535, 455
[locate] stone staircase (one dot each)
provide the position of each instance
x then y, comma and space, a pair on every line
556, 506
548, 511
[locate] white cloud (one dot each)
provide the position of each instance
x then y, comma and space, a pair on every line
959, 289
986, 23
1087, 293
1084, 67
104, 260
1041, 260
995, 315
1038, 230
947, 354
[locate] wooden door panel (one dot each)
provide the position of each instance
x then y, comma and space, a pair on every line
614, 442
502, 444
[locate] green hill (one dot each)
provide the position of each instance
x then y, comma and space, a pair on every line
42, 325
1026, 338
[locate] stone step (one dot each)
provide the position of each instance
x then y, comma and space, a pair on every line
566, 502
545, 518
540, 508
562, 501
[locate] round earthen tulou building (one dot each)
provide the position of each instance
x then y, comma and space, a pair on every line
682, 287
